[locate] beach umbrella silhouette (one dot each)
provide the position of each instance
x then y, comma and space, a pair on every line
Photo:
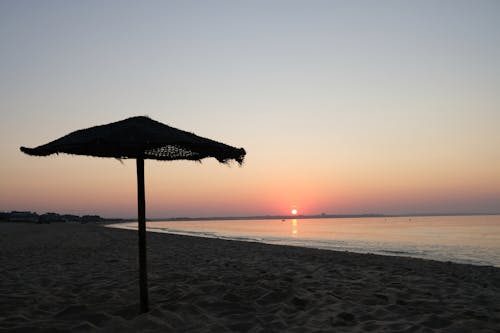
139, 138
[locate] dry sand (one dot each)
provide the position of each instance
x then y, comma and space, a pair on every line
70, 277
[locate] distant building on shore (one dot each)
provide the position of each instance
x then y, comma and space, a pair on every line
22, 217
91, 218
50, 217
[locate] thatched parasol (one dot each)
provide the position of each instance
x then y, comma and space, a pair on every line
139, 138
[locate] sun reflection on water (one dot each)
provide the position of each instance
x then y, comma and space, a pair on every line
295, 228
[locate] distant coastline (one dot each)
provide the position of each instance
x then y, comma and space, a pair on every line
33, 217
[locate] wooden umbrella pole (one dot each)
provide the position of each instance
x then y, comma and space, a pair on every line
141, 209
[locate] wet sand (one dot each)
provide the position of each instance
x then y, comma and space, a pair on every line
73, 277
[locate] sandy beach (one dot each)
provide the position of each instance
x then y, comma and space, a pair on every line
73, 277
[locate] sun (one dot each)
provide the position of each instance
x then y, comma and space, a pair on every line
294, 211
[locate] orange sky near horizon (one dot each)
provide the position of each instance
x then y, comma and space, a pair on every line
182, 188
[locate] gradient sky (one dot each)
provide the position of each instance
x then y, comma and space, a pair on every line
342, 106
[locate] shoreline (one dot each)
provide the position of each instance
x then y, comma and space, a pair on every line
61, 277
252, 240
478, 254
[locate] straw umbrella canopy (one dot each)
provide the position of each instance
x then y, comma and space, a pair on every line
139, 138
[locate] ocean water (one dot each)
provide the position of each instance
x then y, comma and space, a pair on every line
463, 239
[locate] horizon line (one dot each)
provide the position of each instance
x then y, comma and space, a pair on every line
323, 215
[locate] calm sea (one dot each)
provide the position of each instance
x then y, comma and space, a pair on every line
463, 239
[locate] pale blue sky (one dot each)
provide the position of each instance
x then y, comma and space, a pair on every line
393, 97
